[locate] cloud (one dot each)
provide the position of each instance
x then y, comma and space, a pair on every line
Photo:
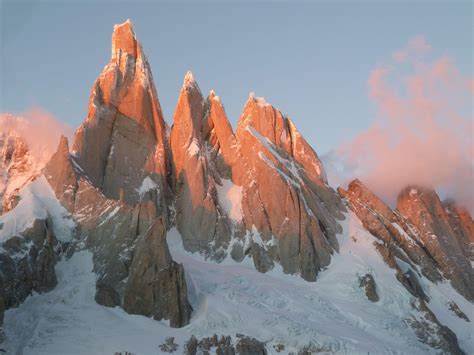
415, 48
422, 132
40, 129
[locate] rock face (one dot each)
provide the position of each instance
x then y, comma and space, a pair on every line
115, 185
302, 218
27, 265
17, 168
390, 227
367, 282
201, 220
433, 236
431, 332
223, 345
131, 259
123, 139
61, 176
447, 245
156, 286
421, 233
225, 185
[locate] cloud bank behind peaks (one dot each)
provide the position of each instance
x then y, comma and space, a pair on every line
422, 131
38, 128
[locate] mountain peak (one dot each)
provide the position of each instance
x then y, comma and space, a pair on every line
260, 100
124, 39
63, 144
189, 82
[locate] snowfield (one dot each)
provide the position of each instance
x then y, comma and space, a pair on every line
333, 314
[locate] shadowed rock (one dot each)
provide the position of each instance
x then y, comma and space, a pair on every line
156, 286
431, 332
368, 283
59, 172
26, 265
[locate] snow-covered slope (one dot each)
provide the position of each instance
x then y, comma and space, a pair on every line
37, 201
332, 315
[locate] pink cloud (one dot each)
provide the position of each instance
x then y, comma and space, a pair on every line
416, 47
422, 132
40, 129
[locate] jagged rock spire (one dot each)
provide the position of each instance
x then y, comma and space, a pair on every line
124, 39
123, 139
61, 175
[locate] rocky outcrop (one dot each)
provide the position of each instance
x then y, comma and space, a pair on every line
301, 220
367, 282
446, 245
200, 219
462, 225
431, 332
2, 313
296, 227
224, 345
421, 231
61, 176
27, 264
156, 286
302, 217
17, 168
131, 258
390, 227
123, 142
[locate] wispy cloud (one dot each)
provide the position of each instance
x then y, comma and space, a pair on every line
422, 132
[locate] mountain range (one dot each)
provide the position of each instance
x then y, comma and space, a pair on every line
201, 238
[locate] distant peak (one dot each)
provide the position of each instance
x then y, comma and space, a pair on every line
124, 39
213, 96
127, 22
189, 81
63, 144
189, 77
259, 100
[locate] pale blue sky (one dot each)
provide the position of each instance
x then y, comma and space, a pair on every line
311, 60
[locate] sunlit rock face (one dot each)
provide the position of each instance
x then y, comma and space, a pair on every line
17, 168
123, 139
434, 236
285, 195
423, 208
115, 185
390, 227
199, 217
282, 210
61, 175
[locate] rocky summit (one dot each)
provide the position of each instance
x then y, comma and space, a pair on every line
202, 237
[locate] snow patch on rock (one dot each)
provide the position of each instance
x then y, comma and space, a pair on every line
37, 201
147, 185
230, 198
